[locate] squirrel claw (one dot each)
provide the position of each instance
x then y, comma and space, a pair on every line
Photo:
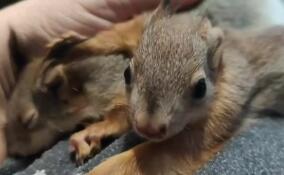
84, 146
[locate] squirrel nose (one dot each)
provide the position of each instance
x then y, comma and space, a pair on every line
150, 131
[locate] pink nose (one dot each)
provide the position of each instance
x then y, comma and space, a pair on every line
152, 132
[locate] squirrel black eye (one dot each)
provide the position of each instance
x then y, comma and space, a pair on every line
54, 88
127, 75
199, 89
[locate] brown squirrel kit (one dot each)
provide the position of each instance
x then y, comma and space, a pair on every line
53, 96
189, 86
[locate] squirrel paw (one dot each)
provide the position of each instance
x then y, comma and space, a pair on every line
84, 145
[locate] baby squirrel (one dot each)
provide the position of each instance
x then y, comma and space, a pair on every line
191, 87
51, 100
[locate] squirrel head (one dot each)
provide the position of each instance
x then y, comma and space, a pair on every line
172, 77
52, 98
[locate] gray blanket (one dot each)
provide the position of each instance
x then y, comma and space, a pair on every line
257, 151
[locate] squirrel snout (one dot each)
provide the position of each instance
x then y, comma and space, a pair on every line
151, 131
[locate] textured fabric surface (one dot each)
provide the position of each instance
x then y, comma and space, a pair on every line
58, 161
257, 151
12, 166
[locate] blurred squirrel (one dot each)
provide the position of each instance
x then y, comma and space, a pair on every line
50, 101
191, 86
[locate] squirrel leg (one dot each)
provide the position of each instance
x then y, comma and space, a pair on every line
88, 141
172, 157
122, 37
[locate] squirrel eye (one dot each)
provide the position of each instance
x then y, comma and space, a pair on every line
127, 75
54, 88
199, 89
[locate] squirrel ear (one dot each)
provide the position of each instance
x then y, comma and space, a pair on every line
214, 40
214, 53
213, 36
59, 48
53, 79
57, 73
167, 6
173, 6
204, 27
65, 76
170, 7
164, 9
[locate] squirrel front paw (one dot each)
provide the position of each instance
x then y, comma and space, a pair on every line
84, 145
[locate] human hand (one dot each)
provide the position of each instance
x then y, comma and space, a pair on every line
38, 22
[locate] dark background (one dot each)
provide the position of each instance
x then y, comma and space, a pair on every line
4, 3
